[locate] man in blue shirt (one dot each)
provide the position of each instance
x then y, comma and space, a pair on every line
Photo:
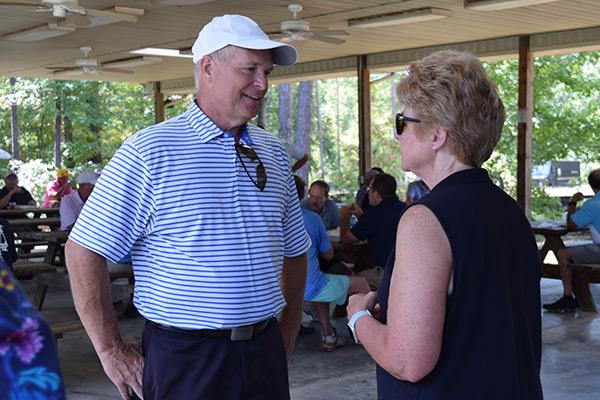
323, 288
588, 215
206, 204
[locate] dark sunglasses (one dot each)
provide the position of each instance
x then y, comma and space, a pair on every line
261, 173
401, 121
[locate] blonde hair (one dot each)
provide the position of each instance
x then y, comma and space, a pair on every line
451, 90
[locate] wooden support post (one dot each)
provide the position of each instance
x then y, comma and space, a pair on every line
159, 103
524, 132
364, 116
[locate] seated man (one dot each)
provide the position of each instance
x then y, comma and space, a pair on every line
72, 204
324, 288
378, 223
13, 193
318, 201
361, 198
416, 190
588, 215
57, 189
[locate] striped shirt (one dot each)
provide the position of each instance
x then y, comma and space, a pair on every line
207, 245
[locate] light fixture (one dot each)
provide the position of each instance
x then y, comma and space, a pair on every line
132, 62
404, 17
493, 5
155, 51
41, 32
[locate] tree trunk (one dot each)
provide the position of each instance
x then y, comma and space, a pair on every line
320, 131
304, 123
261, 118
393, 100
14, 122
337, 122
285, 111
95, 126
68, 128
57, 131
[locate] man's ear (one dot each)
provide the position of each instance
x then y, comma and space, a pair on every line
207, 67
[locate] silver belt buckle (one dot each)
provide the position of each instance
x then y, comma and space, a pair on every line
241, 333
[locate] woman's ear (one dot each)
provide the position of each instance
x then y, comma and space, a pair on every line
439, 138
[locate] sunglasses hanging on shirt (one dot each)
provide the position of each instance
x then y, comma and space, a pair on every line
261, 173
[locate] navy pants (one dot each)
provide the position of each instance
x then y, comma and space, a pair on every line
181, 365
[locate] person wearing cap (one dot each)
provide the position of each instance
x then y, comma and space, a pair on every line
57, 189
13, 193
207, 204
71, 204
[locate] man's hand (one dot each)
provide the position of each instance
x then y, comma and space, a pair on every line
576, 197
124, 366
346, 212
356, 210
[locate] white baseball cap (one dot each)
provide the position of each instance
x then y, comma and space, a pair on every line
240, 31
87, 177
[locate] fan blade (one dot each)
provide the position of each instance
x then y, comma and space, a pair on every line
326, 39
68, 72
116, 70
77, 20
112, 15
330, 33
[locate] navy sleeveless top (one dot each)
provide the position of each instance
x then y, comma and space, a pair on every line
491, 345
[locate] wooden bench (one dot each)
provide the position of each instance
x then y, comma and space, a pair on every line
27, 270
35, 254
60, 328
583, 275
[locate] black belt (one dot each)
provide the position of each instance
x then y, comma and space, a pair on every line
236, 334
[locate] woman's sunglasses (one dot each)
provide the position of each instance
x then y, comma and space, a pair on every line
401, 121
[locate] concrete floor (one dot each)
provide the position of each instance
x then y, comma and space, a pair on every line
570, 363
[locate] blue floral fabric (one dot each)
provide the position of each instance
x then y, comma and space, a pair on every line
29, 368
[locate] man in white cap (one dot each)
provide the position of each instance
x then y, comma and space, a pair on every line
207, 204
71, 204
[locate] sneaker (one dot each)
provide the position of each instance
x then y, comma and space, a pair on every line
331, 342
564, 304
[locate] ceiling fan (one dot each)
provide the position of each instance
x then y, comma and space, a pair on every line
71, 16
299, 29
91, 66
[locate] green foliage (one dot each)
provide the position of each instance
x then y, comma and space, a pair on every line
103, 114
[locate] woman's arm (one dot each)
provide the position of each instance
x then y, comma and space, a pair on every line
408, 347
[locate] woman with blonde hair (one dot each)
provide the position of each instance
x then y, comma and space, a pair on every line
457, 315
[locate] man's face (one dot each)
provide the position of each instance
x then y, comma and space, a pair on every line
316, 198
372, 197
237, 84
11, 183
84, 190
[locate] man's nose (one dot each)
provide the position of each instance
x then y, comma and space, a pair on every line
261, 81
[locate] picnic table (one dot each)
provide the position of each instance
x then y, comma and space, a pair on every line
356, 253
23, 211
55, 240
583, 275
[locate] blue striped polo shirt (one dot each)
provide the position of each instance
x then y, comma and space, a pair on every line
207, 246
